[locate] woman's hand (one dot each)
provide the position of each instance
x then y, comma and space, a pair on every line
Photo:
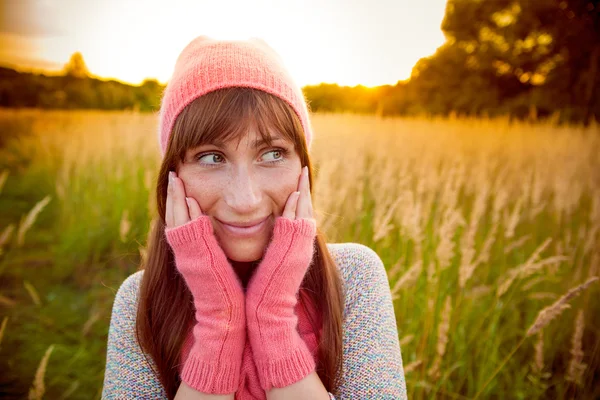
179, 209
299, 203
214, 361
281, 356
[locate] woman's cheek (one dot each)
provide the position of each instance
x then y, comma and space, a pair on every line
203, 190
281, 187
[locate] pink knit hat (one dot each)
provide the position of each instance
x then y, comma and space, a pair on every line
206, 65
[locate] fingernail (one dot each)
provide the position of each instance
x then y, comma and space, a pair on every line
306, 170
187, 200
171, 176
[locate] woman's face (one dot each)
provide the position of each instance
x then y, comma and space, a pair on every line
239, 185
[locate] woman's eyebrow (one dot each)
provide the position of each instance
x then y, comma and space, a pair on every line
256, 144
260, 142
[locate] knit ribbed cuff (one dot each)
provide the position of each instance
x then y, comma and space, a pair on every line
286, 371
190, 231
304, 226
218, 378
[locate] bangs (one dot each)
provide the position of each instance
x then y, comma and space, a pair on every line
228, 114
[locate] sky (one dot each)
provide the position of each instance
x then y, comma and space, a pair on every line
349, 42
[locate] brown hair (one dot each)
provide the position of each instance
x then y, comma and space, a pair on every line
165, 307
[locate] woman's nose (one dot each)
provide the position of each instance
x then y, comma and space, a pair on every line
242, 193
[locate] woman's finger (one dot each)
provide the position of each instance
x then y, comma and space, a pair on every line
302, 210
289, 211
193, 207
310, 212
169, 206
180, 209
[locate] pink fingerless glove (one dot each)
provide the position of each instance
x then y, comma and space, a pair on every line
280, 354
214, 362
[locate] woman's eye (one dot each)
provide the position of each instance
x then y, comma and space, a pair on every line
273, 155
215, 159
211, 158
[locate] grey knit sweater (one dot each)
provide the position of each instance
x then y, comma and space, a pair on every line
372, 363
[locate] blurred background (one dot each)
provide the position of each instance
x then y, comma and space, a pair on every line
459, 139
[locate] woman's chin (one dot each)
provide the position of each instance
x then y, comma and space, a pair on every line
246, 249
244, 253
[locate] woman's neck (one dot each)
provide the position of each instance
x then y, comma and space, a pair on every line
244, 270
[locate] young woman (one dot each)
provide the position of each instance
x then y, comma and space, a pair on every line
240, 295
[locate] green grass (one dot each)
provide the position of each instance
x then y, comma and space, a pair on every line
98, 167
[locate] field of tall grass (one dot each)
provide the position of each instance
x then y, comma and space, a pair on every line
489, 230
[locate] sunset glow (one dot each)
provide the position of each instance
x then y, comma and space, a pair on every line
342, 41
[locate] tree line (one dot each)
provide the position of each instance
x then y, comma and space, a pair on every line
501, 57
75, 89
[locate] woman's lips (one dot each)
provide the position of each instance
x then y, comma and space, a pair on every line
245, 231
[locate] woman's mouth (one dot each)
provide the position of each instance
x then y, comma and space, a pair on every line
244, 231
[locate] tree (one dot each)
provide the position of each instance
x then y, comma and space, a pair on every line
76, 66
552, 46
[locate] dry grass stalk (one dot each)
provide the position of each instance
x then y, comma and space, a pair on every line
549, 313
3, 177
576, 365
360, 197
70, 390
396, 268
513, 219
94, 316
5, 301
529, 267
431, 273
411, 220
506, 283
591, 240
143, 254
538, 358
382, 222
468, 241
5, 236
412, 366
500, 201
60, 189
533, 282
409, 278
32, 293
28, 221
484, 254
406, 340
536, 254
467, 265
327, 198
516, 244
124, 226
38, 388
444, 328
534, 212
542, 296
3, 328
442, 342
478, 291
445, 249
